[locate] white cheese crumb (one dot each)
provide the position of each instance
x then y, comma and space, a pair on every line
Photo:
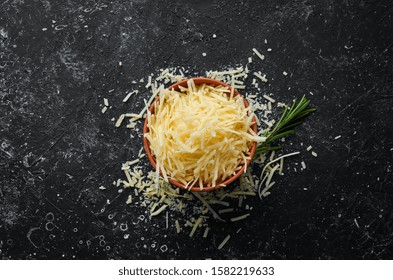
314, 154
261, 56
120, 63
235, 219
227, 210
102, 188
162, 208
103, 110
261, 77
120, 120
129, 199
106, 102
206, 232
250, 60
178, 228
269, 49
356, 223
128, 96
222, 244
337, 137
285, 73
309, 148
303, 165
268, 98
204, 54
214, 36
265, 41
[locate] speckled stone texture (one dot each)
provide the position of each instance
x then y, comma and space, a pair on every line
58, 59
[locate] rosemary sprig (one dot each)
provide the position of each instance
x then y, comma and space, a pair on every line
291, 117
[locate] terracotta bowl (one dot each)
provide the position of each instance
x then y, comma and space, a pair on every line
229, 180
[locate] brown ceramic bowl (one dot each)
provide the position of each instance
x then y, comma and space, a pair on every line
229, 180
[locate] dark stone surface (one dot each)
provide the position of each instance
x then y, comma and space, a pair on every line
58, 59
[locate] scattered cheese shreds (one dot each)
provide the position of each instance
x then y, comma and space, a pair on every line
222, 244
314, 154
268, 98
242, 217
261, 56
178, 228
206, 232
128, 96
261, 77
162, 208
120, 120
158, 195
197, 223
309, 148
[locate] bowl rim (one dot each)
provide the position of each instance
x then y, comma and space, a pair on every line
198, 81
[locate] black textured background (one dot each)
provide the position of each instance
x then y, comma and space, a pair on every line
58, 59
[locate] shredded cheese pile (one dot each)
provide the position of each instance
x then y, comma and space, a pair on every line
200, 135
153, 193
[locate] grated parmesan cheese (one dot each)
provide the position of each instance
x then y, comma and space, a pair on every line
268, 98
222, 244
119, 120
261, 56
200, 137
206, 232
242, 217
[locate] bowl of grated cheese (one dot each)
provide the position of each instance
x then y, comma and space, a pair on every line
200, 134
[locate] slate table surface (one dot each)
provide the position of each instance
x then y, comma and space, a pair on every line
59, 59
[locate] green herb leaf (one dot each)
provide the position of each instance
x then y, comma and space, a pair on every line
291, 117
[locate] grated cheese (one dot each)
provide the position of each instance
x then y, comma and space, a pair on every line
268, 98
242, 217
128, 96
178, 228
261, 77
162, 208
261, 56
197, 223
227, 210
206, 232
200, 137
222, 244
119, 120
